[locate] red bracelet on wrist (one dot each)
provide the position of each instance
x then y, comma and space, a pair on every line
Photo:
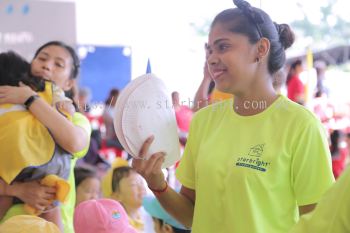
157, 192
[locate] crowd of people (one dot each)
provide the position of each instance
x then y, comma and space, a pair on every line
245, 168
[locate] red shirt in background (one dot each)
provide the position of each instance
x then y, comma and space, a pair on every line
183, 118
295, 88
339, 162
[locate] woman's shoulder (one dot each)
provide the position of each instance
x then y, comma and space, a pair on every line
294, 111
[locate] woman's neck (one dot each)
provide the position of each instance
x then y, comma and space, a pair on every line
254, 101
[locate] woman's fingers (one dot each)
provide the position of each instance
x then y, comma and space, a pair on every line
21, 84
145, 147
15, 95
4, 88
152, 161
158, 164
140, 163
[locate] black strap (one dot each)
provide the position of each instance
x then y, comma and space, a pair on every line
30, 100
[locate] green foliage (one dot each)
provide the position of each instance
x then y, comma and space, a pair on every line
332, 30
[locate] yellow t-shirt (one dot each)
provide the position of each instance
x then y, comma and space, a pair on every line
137, 224
67, 212
34, 146
218, 96
332, 213
251, 173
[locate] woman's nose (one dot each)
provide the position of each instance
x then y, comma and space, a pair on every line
47, 66
212, 59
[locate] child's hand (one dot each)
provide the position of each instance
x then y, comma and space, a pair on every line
66, 108
34, 194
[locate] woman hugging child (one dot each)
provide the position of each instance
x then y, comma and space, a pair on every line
31, 152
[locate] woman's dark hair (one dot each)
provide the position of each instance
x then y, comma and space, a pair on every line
118, 174
82, 173
335, 139
292, 69
111, 96
211, 87
256, 24
15, 69
75, 66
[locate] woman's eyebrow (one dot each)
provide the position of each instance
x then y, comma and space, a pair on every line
60, 59
44, 53
217, 41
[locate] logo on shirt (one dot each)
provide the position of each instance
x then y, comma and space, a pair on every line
253, 160
256, 150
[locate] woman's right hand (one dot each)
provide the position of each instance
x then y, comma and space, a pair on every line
15, 95
150, 169
34, 194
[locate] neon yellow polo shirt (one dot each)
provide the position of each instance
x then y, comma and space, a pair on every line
332, 213
251, 173
67, 212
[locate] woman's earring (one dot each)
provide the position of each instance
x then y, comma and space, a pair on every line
257, 60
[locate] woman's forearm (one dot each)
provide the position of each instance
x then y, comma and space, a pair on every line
178, 205
201, 97
7, 189
70, 137
4, 188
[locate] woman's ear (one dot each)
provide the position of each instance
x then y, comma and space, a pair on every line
263, 48
69, 84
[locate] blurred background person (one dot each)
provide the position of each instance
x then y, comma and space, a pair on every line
87, 184
295, 87
162, 221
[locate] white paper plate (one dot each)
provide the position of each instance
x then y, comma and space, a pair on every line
145, 109
119, 106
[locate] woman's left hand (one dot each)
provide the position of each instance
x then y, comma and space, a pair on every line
15, 95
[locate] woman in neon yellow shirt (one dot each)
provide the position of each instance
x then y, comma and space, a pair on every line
253, 164
59, 63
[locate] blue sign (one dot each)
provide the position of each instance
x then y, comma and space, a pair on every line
105, 68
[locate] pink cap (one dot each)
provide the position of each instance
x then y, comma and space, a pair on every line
101, 216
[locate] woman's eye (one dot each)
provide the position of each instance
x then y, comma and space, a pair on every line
41, 58
223, 47
60, 65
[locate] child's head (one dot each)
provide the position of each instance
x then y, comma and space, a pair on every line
128, 187
102, 216
28, 224
87, 184
15, 69
163, 222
